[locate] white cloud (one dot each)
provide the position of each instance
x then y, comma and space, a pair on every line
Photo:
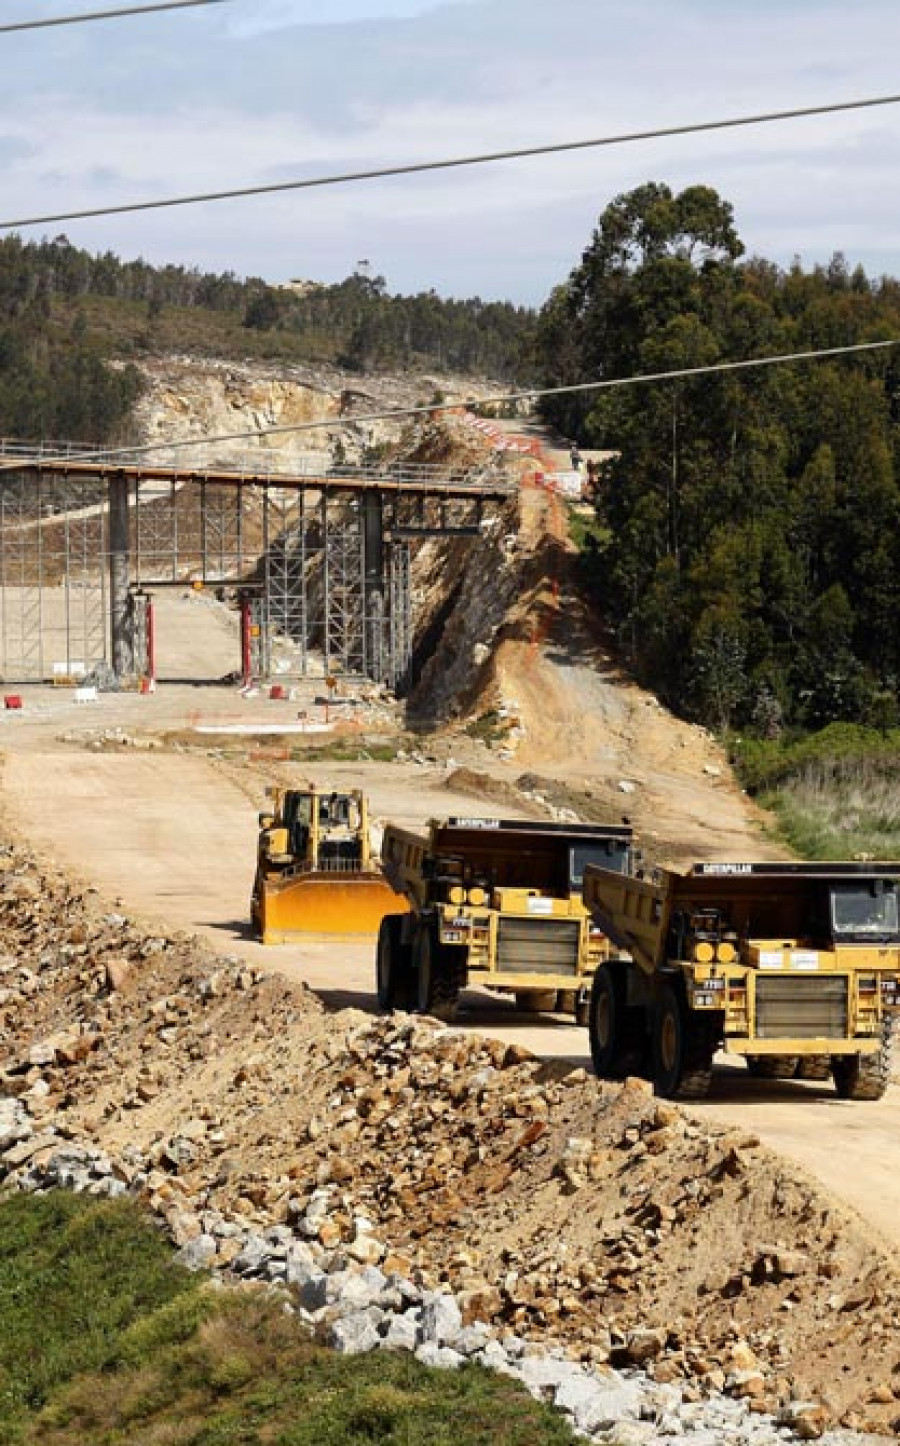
189, 104
284, 14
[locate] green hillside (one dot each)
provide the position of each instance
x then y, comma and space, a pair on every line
751, 560
64, 313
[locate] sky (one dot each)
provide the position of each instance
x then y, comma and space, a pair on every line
252, 92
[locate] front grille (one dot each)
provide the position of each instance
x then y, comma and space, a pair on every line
795, 1007
538, 946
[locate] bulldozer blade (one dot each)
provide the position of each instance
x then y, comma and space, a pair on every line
325, 904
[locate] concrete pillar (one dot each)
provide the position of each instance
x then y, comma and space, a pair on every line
120, 604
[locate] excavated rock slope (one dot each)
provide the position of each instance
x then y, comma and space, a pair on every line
573, 1211
188, 398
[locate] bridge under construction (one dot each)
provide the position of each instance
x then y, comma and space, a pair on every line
317, 557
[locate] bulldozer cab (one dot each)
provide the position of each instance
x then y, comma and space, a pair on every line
339, 811
297, 819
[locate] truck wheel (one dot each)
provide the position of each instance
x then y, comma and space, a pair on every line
774, 1066
864, 1076
683, 1050
391, 977
437, 987
615, 1031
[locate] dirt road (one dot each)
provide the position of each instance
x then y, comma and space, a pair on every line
170, 837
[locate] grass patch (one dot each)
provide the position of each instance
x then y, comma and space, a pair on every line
358, 751
488, 728
249, 1376
835, 794
586, 531
75, 1277
104, 1342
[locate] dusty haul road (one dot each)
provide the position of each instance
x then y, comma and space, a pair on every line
169, 837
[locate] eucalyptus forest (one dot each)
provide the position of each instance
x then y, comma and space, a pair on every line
747, 551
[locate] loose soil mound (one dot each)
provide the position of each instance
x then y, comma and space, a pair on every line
569, 1209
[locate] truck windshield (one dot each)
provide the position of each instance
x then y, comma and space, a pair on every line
610, 855
865, 910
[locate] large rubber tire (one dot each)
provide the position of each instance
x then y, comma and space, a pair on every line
773, 1066
392, 967
864, 1076
437, 983
683, 1049
814, 1067
615, 1031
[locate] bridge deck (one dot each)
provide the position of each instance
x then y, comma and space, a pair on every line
309, 474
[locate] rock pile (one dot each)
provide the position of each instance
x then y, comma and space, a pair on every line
333, 1154
357, 1306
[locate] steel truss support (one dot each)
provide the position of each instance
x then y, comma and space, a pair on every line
53, 577
399, 616
345, 570
289, 540
326, 568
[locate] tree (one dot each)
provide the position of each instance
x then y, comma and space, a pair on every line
262, 311
753, 568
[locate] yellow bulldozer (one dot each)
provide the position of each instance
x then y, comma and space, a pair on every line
315, 869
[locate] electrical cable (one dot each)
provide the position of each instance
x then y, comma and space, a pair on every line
119, 14
397, 413
451, 163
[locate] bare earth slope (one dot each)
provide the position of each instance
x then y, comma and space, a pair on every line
593, 739
558, 1207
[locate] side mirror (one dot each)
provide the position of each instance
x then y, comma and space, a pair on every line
266, 820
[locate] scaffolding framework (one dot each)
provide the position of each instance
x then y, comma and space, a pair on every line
323, 562
53, 586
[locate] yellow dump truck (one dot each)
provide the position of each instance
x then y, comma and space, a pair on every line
494, 902
795, 967
315, 870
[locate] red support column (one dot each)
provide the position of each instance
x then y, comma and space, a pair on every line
246, 643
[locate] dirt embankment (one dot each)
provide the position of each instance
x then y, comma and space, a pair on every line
513, 644
572, 1211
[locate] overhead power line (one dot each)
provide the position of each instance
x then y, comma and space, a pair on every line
118, 14
400, 413
455, 162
